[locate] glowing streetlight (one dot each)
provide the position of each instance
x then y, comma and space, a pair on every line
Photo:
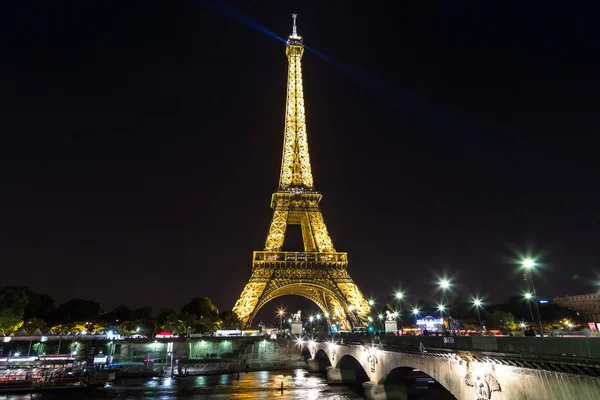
444, 285
477, 303
528, 297
415, 312
370, 319
399, 295
281, 312
380, 316
310, 319
441, 308
529, 265
523, 325
371, 302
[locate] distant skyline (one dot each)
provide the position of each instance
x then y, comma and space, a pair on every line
142, 142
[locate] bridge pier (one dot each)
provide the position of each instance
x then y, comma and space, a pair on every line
334, 376
376, 391
313, 365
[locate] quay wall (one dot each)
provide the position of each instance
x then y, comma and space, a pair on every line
253, 348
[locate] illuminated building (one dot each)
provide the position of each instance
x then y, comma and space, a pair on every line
319, 272
588, 305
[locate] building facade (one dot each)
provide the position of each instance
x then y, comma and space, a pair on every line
588, 305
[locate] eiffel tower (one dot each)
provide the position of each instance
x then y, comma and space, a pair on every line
318, 273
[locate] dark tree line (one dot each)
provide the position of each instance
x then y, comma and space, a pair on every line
22, 308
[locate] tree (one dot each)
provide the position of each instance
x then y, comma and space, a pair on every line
164, 314
503, 321
35, 323
206, 312
120, 314
12, 308
201, 307
143, 313
126, 328
230, 320
78, 310
39, 306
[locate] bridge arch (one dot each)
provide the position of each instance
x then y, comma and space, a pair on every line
408, 382
352, 371
322, 359
330, 303
305, 353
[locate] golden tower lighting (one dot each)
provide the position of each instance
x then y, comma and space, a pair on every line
318, 273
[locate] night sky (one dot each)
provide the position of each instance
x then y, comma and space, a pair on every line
141, 142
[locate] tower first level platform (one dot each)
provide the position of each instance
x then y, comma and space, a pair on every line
320, 277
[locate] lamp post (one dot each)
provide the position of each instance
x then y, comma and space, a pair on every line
415, 313
441, 309
281, 312
399, 297
318, 317
528, 297
477, 304
310, 319
444, 286
528, 264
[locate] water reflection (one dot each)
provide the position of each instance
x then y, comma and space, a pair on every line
297, 384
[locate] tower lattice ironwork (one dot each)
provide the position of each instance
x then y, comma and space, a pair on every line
318, 273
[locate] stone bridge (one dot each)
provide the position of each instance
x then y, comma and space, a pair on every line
474, 368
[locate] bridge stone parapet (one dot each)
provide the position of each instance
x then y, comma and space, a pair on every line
444, 361
580, 348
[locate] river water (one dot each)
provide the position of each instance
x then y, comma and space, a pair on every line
297, 384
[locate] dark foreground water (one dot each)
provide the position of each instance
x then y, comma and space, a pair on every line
297, 384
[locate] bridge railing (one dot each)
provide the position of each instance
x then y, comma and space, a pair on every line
541, 346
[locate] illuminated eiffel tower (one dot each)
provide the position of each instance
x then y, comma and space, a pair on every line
318, 273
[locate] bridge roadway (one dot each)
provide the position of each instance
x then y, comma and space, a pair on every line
469, 367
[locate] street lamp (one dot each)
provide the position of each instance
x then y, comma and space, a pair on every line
528, 296
529, 264
281, 312
415, 313
371, 302
441, 308
310, 319
444, 285
477, 304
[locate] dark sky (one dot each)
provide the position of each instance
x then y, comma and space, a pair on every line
141, 142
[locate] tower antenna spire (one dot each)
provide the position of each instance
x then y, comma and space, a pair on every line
294, 31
